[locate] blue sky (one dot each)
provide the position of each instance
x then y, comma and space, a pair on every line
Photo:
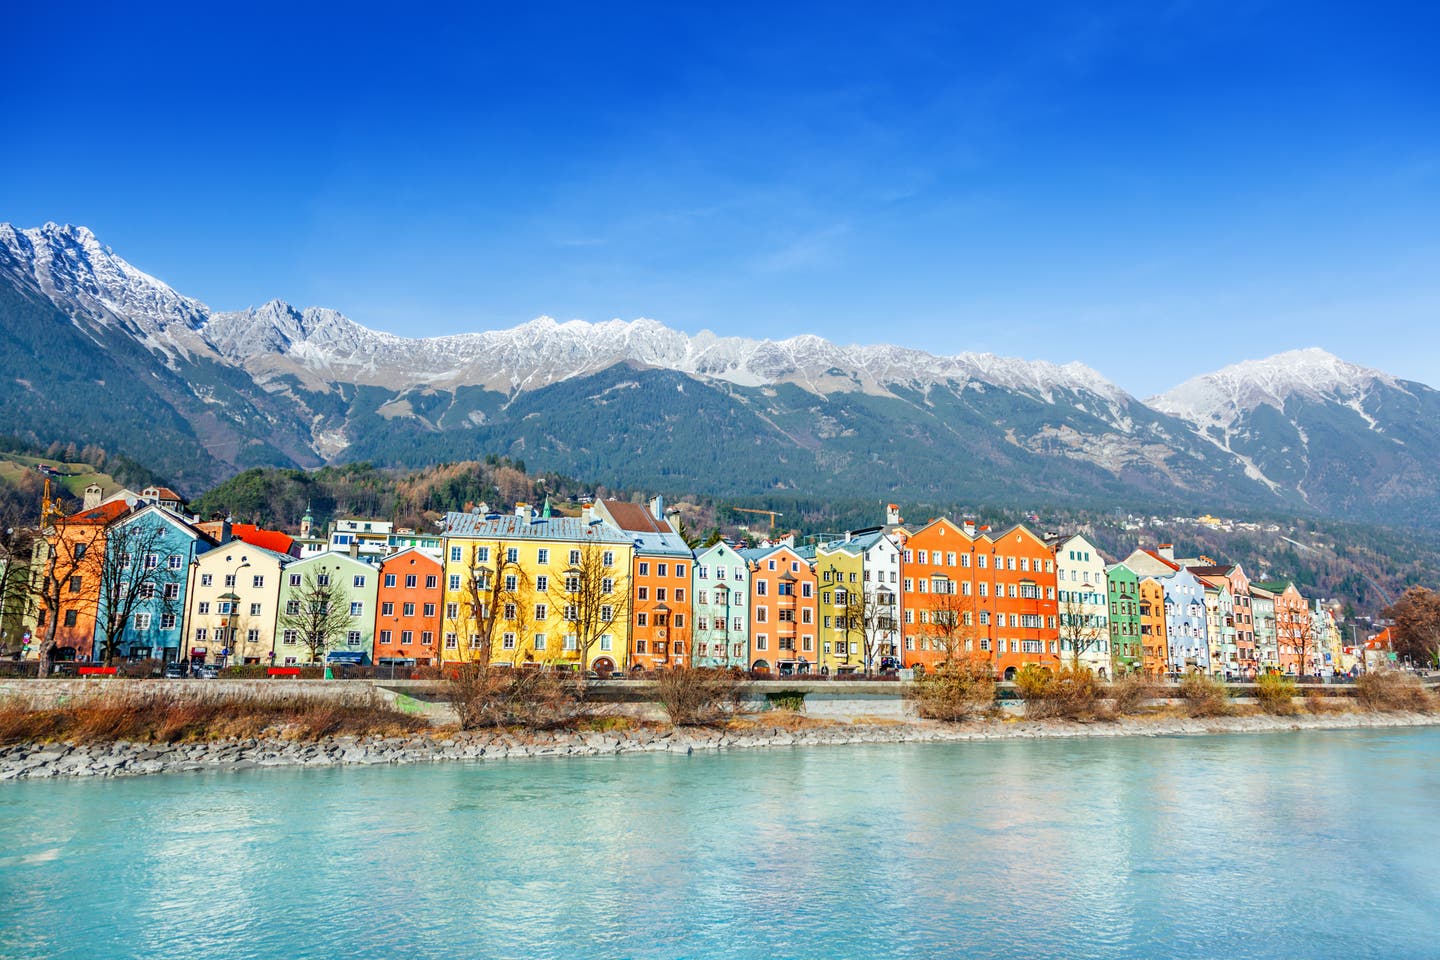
1153, 188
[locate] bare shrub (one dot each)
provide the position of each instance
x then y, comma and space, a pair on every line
1317, 702
1072, 693
1204, 696
1391, 690
1131, 691
696, 695
485, 696
961, 688
1276, 694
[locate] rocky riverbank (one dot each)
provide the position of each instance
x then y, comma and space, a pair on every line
38, 761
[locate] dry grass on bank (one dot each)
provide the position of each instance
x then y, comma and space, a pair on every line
1392, 690
163, 717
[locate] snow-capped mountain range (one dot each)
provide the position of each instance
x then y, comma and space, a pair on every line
331, 387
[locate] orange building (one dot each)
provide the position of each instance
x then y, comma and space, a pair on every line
407, 605
660, 601
1154, 639
970, 592
69, 561
783, 610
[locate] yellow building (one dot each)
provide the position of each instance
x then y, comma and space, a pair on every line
858, 582
526, 589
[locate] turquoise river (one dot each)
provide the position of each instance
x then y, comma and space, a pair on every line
1307, 845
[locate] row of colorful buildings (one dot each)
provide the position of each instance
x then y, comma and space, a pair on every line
617, 588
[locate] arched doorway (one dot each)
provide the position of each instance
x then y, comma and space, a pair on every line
760, 665
603, 666
1009, 673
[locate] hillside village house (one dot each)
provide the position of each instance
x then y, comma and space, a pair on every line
330, 578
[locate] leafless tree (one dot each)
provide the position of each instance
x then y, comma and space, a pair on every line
592, 596
17, 544
319, 611
65, 573
492, 586
950, 625
1081, 630
1417, 624
133, 573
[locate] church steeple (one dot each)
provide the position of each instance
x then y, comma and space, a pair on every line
307, 523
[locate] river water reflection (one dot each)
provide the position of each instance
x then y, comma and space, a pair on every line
1317, 845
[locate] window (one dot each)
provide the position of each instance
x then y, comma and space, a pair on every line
454, 581
541, 611
455, 555
429, 610
761, 588
360, 580
290, 636
385, 636
254, 609
482, 554
142, 621
607, 613
175, 561
542, 583
427, 637
207, 579
389, 580
223, 607
606, 586
170, 591
539, 641
431, 582
644, 569
679, 569
294, 579
642, 619
356, 608
406, 637
642, 593
607, 642
660, 594
252, 635
761, 641
507, 641
203, 607
512, 555
146, 591
322, 580
75, 583
407, 609
167, 621
608, 559
229, 579
201, 634
258, 581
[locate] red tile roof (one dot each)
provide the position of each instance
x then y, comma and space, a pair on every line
269, 539
106, 513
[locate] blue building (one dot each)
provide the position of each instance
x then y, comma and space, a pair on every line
153, 547
1185, 622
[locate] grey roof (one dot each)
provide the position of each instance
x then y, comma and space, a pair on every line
511, 527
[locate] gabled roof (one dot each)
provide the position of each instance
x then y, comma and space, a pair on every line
165, 513
407, 552
216, 554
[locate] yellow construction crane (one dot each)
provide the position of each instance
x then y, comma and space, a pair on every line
49, 509
772, 514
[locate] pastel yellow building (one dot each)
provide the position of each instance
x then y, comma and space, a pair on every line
527, 589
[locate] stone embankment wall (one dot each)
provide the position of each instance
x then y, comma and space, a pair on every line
40, 761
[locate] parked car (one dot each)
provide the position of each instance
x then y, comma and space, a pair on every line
174, 670
207, 671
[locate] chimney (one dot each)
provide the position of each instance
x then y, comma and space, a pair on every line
848, 536
1167, 551
93, 493
588, 513
892, 514
522, 510
355, 549
968, 525
226, 534
657, 508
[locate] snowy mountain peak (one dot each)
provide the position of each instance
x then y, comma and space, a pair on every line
68, 265
1311, 373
